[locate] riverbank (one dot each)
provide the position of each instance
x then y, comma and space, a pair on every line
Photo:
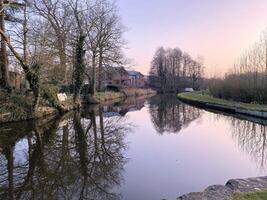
204, 100
252, 196
235, 189
103, 97
17, 107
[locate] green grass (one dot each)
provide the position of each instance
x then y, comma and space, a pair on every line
106, 96
204, 97
261, 195
132, 92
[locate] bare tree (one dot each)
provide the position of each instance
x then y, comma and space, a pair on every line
247, 80
57, 15
172, 70
104, 32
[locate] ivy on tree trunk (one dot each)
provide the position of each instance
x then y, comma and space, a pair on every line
79, 68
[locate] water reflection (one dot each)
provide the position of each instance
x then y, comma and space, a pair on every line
250, 136
122, 108
83, 155
76, 157
169, 115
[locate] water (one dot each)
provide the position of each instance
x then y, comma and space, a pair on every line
156, 148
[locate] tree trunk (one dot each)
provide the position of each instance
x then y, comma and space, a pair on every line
63, 60
36, 94
33, 78
3, 53
173, 74
25, 41
92, 84
100, 70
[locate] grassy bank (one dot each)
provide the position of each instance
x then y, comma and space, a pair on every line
137, 92
108, 96
261, 195
204, 98
130, 92
16, 107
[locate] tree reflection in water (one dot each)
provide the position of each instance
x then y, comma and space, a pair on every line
251, 137
169, 115
76, 157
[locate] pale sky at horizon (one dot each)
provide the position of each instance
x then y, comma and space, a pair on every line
219, 30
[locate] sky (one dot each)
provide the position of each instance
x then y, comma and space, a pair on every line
218, 30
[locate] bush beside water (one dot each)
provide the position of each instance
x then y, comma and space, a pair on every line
247, 88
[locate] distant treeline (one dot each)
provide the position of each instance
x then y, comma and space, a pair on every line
172, 70
247, 81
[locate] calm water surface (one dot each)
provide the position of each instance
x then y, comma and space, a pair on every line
140, 149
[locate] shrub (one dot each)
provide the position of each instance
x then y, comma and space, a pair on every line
49, 92
249, 87
18, 105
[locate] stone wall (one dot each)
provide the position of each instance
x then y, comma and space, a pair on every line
227, 191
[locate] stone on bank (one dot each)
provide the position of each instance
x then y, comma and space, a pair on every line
227, 191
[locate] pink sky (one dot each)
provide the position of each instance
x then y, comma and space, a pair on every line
219, 30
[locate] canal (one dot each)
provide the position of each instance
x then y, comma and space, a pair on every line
140, 149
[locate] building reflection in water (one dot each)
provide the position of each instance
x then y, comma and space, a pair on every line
80, 156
